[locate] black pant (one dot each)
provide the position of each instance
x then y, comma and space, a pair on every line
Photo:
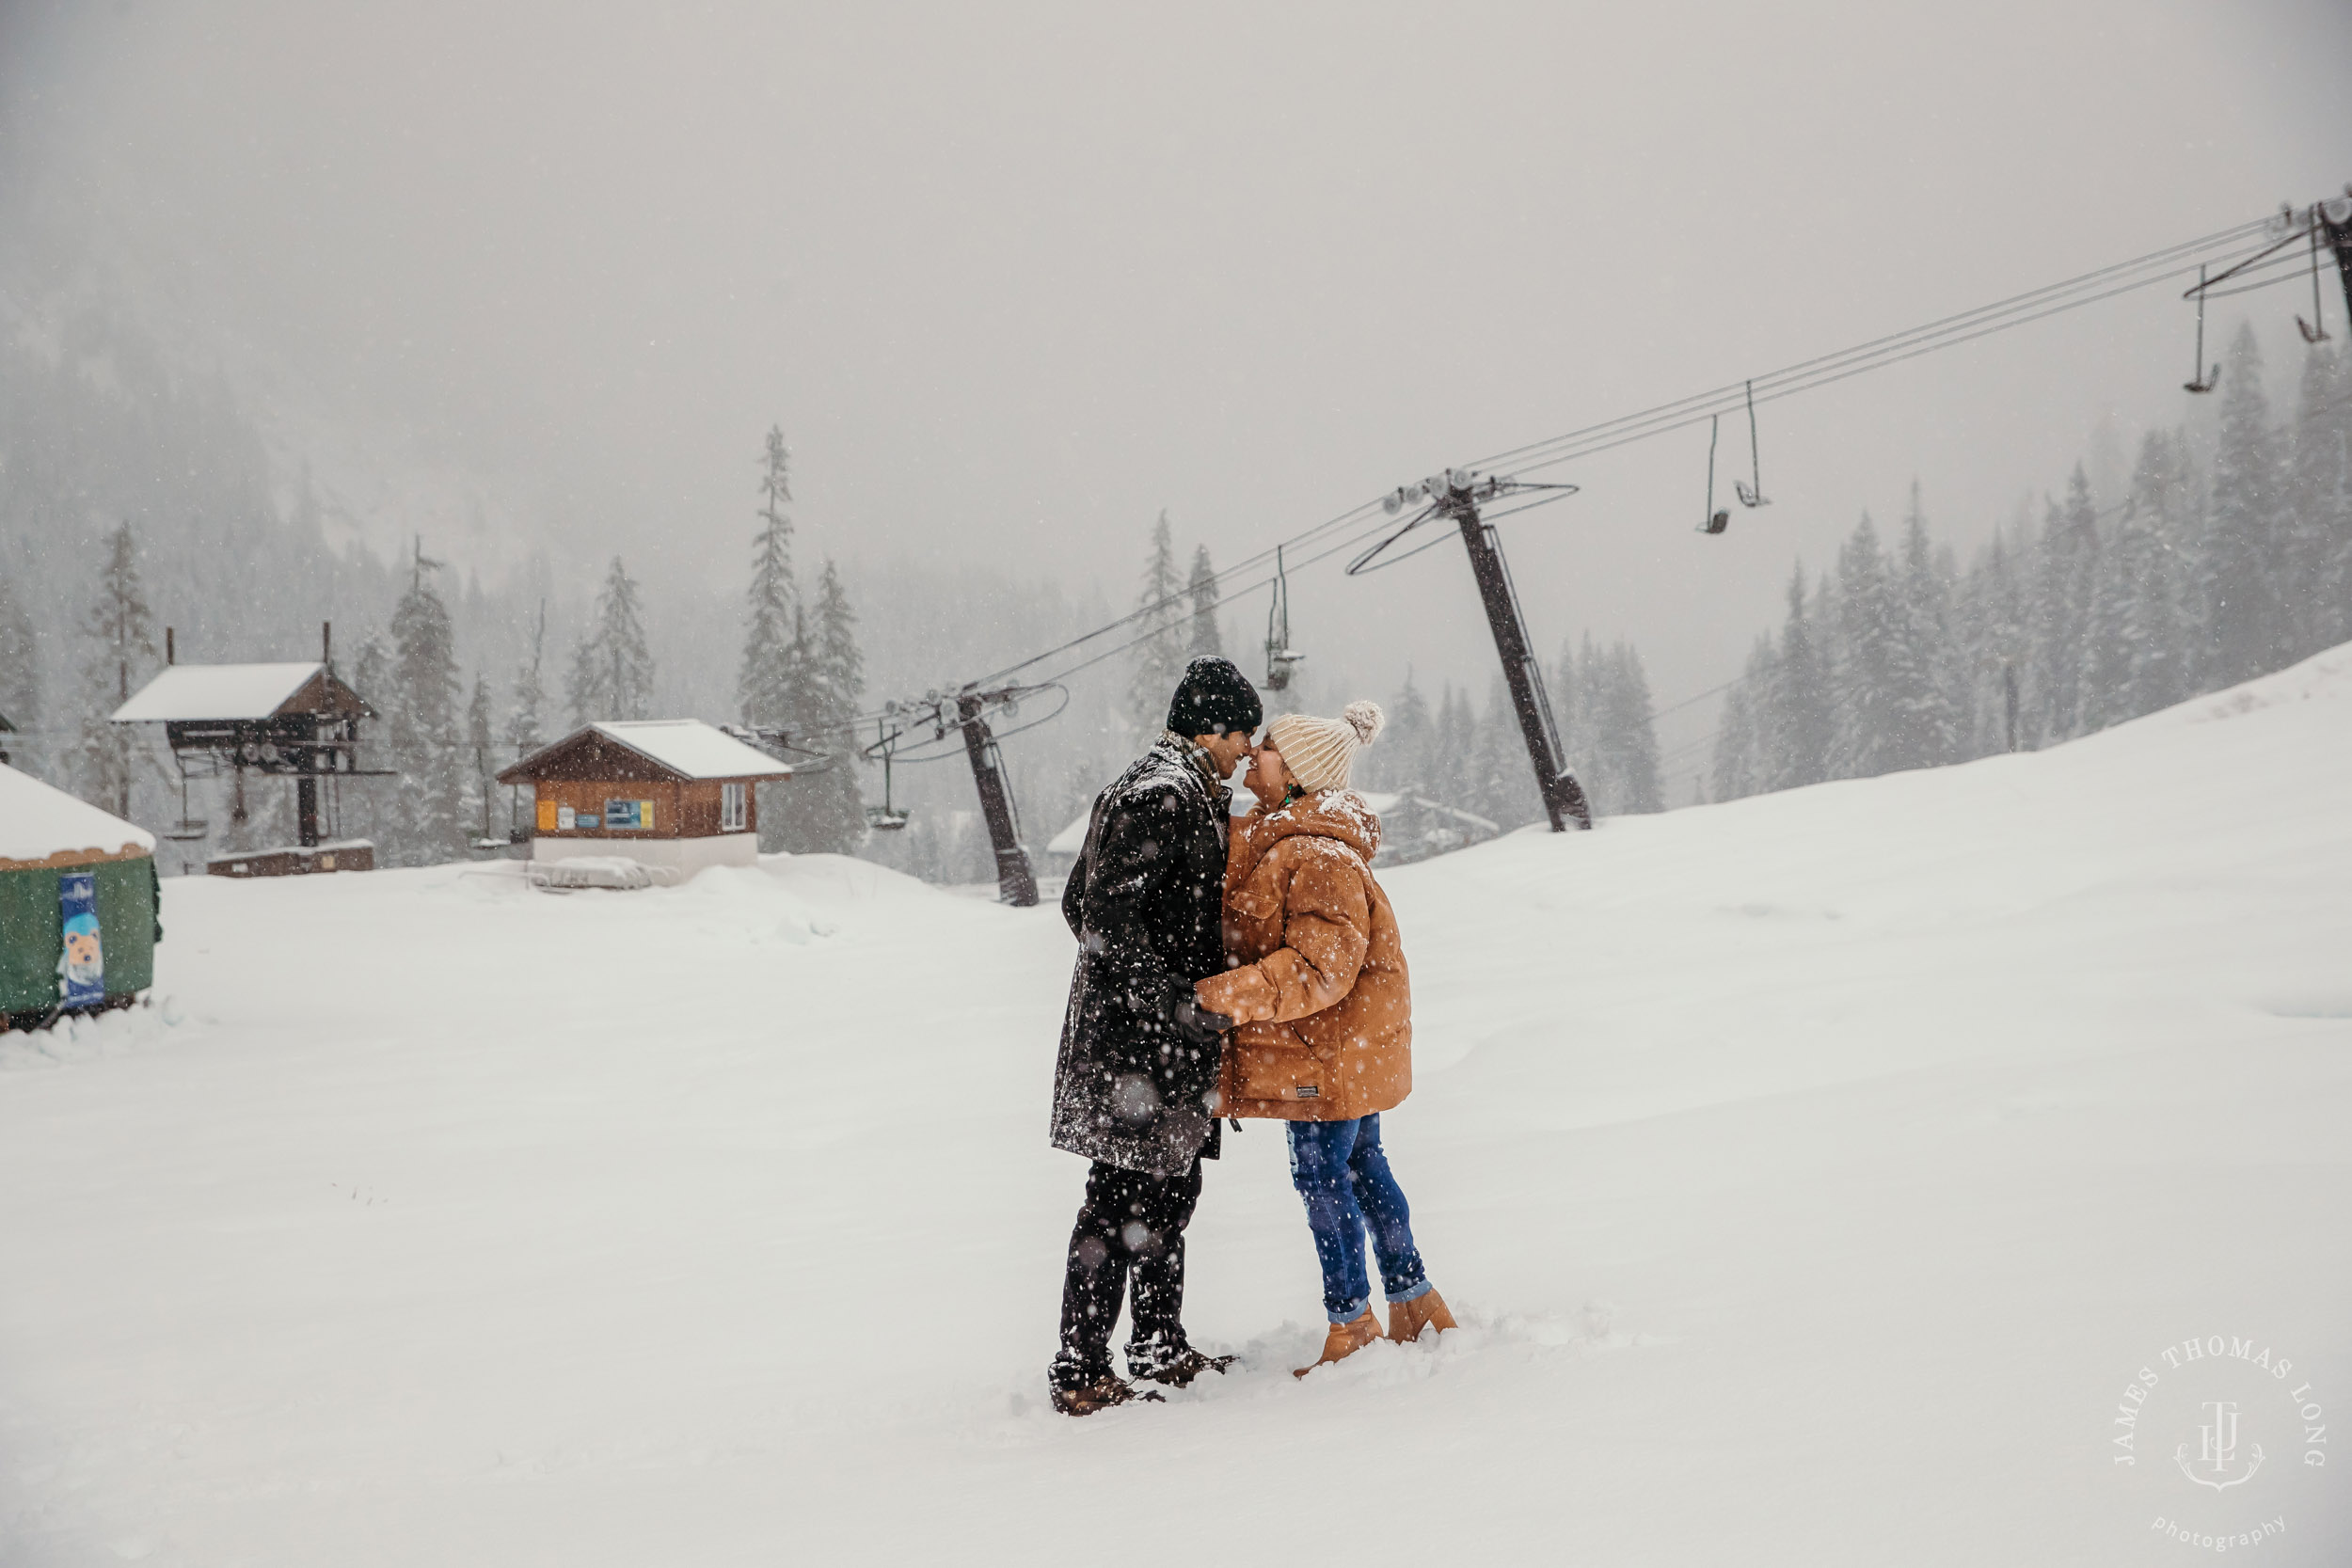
1128, 1219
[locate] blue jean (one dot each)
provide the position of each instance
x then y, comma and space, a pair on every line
1339, 1168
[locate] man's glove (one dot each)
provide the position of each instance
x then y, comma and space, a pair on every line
1194, 1025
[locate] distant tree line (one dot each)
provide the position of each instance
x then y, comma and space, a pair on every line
2204, 573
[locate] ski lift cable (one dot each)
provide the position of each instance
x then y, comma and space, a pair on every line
1839, 374
1805, 375
1960, 328
2221, 239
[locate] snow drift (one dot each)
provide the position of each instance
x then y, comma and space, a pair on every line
1812, 1175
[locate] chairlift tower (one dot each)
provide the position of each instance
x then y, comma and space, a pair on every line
1016, 884
1456, 494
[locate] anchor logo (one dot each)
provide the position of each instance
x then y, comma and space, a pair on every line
2220, 1450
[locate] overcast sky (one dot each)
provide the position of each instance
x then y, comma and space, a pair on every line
1014, 278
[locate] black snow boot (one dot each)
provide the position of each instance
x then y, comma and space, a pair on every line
1101, 1394
1171, 1362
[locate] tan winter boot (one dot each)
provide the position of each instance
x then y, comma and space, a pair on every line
1406, 1319
1345, 1340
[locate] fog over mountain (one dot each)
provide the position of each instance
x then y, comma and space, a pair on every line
533, 281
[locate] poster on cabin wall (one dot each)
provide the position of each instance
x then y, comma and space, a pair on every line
81, 966
631, 816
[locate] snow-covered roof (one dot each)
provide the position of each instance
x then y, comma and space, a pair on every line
38, 822
686, 747
697, 750
188, 691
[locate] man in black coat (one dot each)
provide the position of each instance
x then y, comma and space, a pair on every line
1135, 1090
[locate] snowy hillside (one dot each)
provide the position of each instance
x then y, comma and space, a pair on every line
1813, 1175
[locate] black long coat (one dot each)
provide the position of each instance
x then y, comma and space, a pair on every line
1146, 901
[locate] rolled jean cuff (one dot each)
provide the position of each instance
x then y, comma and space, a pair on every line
1354, 1311
1411, 1292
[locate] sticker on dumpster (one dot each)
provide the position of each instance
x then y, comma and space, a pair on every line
82, 965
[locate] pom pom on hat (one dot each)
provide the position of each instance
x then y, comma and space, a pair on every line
1320, 753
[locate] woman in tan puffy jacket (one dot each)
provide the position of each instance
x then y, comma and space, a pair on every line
1323, 1014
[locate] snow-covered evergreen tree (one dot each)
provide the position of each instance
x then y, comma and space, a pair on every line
1795, 747
2314, 568
1200, 590
612, 673
422, 734
20, 667
1867, 739
1918, 672
482, 765
764, 680
2243, 612
523, 734
1163, 626
823, 811
118, 630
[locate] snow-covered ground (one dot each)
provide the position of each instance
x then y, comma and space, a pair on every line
1813, 1176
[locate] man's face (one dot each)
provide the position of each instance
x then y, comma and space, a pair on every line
1227, 749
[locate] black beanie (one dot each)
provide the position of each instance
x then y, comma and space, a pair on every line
1213, 698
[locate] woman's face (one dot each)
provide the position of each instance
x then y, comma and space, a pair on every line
1268, 779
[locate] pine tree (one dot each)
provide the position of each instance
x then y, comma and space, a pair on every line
120, 629
823, 811
1739, 748
523, 734
1866, 739
1798, 709
1159, 657
422, 733
1631, 743
20, 666
1201, 591
612, 673
1505, 792
368, 811
2065, 567
481, 765
2242, 526
1404, 753
2315, 565
764, 681
1926, 721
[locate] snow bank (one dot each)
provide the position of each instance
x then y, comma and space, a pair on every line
1812, 1173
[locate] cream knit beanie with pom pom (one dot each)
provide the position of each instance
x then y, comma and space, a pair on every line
1320, 752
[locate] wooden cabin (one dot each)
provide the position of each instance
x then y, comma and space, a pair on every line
675, 793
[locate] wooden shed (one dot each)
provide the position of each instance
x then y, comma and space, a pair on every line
78, 904
665, 792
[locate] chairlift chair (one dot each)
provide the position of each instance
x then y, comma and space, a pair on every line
1281, 657
188, 830
2211, 379
1750, 495
1716, 522
885, 818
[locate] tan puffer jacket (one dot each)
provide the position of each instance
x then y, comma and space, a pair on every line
1319, 987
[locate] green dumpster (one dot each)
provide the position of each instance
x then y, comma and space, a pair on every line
46, 835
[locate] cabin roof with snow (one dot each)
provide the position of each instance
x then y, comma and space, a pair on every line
41, 825
193, 693
686, 750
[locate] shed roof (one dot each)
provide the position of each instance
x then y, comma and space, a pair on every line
38, 823
686, 747
195, 691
